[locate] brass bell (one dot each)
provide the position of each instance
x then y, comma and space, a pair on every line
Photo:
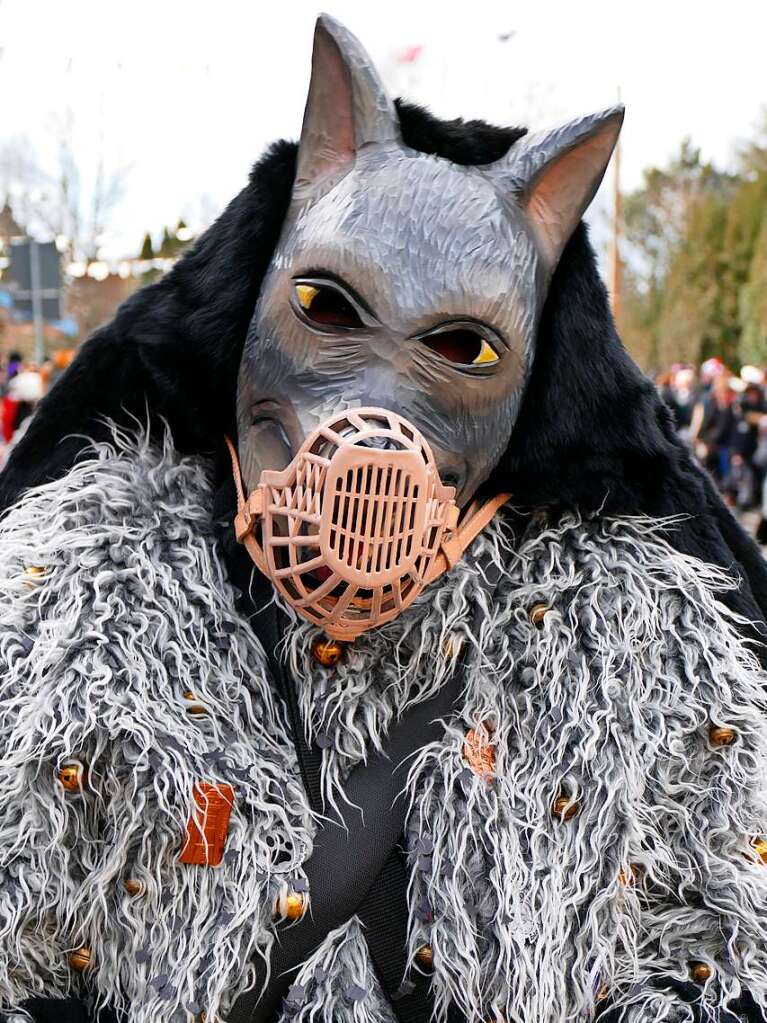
537, 613
452, 647
34, 572
134, 887
760, 848
197, 707
720, 735
629, 877
291, 905
700, 972
565, 808
80, 959
425, 957
71, 776
327, 652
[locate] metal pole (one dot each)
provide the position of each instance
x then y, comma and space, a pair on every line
37, 301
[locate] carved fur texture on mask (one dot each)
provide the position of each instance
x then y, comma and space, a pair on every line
132, 611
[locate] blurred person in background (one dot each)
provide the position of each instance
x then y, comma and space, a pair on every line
684, 395
13, 367
744, 482
25, 390
58, 362
712, 427
759, 462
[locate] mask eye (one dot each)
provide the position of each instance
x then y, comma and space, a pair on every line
463, 346
325, 305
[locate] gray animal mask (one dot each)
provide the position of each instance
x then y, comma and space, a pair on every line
404, 281
392, 341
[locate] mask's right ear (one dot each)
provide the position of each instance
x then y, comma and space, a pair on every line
554, 175
347, 106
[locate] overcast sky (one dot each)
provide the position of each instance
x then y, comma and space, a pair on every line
187, 94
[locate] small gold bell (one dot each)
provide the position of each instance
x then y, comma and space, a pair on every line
291, 905
71, 776
196, 707
452, 647
134, 887
700, 972
760, 848
327, 652
80, 959
425, 957
537, 613
565, 808
720, 735
629, 877
34, 572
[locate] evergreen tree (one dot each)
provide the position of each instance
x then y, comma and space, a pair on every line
147, 250
167, 246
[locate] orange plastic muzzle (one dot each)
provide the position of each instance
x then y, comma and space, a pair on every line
358, 523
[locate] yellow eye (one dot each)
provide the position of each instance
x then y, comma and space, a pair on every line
463, 346
306, 294
326, 306
486, 355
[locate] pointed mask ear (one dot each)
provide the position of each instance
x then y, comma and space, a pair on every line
555, 175
347, 105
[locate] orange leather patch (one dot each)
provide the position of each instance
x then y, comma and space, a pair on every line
479, 753
208, 826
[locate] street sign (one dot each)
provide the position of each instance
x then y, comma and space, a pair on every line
35, 281
22, 270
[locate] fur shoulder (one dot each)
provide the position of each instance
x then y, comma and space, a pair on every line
608, 840
122, 657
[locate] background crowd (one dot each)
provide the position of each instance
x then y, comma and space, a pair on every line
723, 417
22, 385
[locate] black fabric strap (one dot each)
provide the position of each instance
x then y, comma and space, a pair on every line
385, 916
384, 910
346, 861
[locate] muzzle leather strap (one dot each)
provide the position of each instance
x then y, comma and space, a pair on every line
477, 517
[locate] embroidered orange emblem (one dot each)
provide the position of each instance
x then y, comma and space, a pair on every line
208, 825
479, 752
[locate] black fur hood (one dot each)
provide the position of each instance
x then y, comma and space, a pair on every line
592, 433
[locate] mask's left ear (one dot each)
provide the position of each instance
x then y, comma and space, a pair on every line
346, 109
555, 174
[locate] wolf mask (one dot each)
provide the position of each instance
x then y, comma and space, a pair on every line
404, 290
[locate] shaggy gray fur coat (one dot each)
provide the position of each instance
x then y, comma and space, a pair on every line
115, 604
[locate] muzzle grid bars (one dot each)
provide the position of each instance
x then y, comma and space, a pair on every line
358, 523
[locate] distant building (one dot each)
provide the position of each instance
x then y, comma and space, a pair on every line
92, 303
